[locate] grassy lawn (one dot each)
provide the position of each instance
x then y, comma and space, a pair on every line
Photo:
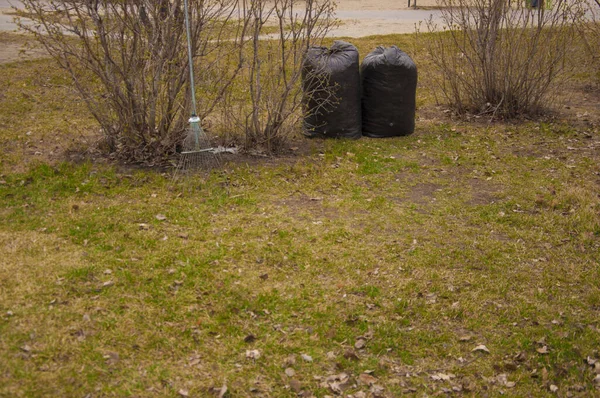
362, 268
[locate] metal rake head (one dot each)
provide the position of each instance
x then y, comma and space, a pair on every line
197, 152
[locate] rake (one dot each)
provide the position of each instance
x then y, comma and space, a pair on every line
196, 151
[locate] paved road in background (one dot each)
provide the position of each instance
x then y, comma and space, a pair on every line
6, 21
356, 23
359, 17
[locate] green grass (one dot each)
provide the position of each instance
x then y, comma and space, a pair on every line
463, 229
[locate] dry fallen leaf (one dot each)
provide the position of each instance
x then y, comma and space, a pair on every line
222, 391
360, 344
376, 390
431, 298
161, 217
183, 393
367, 379
337, 383
442, 376
295, 385
502, 379
481, 348
542, 350
306, 357
250, 338
252, 354
112, 358
510, 365
553, 388
289, 361
544, 375
465, 338
350, 354
289, 372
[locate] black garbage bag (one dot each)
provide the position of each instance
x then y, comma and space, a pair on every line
331, 86
389, 87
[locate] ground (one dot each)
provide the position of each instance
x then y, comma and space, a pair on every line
461, 260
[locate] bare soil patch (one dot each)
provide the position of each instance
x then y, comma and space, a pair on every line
483, 192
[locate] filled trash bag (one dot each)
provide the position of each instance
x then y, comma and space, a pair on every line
331, 88
389, 88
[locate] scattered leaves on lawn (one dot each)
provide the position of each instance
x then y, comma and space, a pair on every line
442, 376
377, 391
252, 354
306, 357
502, 379
295, 385
542, 350
223, 391
591, 361
290, 372
111, 358
481, 348
350, 354
367, 379
337, 383
360, 344
289, 361
161, 217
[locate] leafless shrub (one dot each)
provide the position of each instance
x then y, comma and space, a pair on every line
500, 59
590, 34
267, 104
128, 61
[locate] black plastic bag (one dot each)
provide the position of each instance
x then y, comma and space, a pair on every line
389, 87
331, 86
